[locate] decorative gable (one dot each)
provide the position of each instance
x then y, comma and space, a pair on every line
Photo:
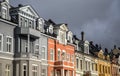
29, 10
101, 54
64, 27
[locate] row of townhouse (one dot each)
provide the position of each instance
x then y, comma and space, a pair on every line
33, 46
91, 60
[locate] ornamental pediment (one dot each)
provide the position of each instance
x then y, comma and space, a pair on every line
64, 27
29, 10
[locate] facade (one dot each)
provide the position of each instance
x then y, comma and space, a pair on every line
104, 64
6, 40
33, 46
61, 52
115, 62
86, 63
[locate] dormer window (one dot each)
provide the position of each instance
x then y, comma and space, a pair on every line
4, 13
62, 37
69, 36
86, 47
51, 29
40, 24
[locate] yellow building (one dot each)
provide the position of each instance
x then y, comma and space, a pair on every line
103, 66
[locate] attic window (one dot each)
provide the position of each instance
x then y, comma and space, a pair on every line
4, 13
86, 48
62, 37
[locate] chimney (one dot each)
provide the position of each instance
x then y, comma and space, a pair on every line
114, 46
82, 36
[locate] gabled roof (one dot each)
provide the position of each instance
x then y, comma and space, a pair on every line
26, 8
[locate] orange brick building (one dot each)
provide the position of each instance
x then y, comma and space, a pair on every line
61, 52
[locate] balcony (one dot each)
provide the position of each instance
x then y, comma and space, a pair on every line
27, 31
27, 55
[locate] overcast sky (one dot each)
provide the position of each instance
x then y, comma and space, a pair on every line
99, 19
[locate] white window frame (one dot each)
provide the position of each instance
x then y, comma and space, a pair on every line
63, 53
24, 70
59, 56
1, 42
7, 70
86, 48
42, 52
68, 57
8, 43
37, 49
43, 74
21, 21
52, 54
50, 29
26, 23
77, 63
72, 58
35, 66
30, 24
4, 14
81, 64
62, 37
26, 46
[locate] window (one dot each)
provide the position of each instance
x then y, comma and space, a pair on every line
81, 64
86, 64
21, 21
31, 46
63, 55
26, 23
89, 65
26, 46
77, 63
9, 44
1, 42
34, 70
106, 69
4, 13
92, 66
103, 69
100, 68
95, 67
68, 57
109, 70
43, 52
72, 58
43, 72
0, 69
62, 37
58, 73
24, 69
50, 29
30, 24
52, 73
59, 55
51, 54
86, 49
7, 70
37, 49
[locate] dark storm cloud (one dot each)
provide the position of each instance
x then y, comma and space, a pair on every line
98, 18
